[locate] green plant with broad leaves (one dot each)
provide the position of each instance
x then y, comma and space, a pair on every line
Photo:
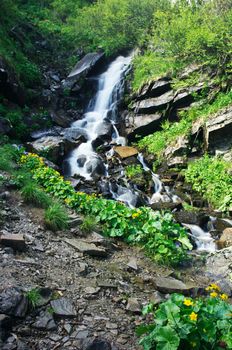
133, 170
181, 323
211, 176
163, 239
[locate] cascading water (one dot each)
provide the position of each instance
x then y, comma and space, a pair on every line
110, 86
204, 240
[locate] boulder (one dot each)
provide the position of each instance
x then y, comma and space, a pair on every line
184, 98
144, 124
54, 147
172, 285
126, 151
95, 167
45, 322
99, 344
191, 217
179, 148
151, 105
13, 302
133, 305
82, 69
218, 131
225, 239
61, 118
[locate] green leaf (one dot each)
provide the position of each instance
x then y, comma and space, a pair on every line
185, 241
167, 338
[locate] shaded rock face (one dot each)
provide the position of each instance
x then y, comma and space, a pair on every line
154, 89
5, 126
99, 345
82, 68
218, 131
9, 85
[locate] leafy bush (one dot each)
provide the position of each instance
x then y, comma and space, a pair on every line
133, 170
56, 217
211, 177
164, 240
186, 323
32, 194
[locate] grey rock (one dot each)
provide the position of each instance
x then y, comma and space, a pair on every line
155, 104
63, 307
154, 89
172, 285
143, 124
132, 264
87, 248
133, 305
15, 241
45, 321
13, 302
98, 344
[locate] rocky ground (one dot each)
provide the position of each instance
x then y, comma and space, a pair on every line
91, 289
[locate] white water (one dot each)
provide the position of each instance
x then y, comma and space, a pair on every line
203, 239
93, 120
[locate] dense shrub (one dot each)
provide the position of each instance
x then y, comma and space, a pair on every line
212, 178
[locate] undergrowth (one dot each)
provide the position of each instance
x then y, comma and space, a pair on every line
56, 217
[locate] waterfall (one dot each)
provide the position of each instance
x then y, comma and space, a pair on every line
103, 110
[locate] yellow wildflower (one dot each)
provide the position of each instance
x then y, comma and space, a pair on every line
213, 294
213, 286
193, 316
135, 215
224, 296
188, 302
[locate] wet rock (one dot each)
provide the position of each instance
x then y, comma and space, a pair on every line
82, 68
218, 131
5, 326
87, 248
15, 241
13, 302
95, 167
125, 151
61, 118
225, 239
191, 217
63, 307
221, 224
171, 285
133, 305
155, 104
44, 322
98, 344
5, 126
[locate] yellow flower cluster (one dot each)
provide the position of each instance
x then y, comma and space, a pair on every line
188, 302
213, 287
135, 215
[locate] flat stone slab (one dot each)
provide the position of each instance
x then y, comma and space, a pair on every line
15, 241
87, 248
126, 152
63, 307
172, 285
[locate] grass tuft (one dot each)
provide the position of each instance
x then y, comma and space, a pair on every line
56, 217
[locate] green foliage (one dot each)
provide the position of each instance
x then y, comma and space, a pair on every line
164, 240
89, 224
212, 178
56, 217
114, 25
8, 156
156, 143
133, 171
189, 32
33, 297
33, 194
186, 323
